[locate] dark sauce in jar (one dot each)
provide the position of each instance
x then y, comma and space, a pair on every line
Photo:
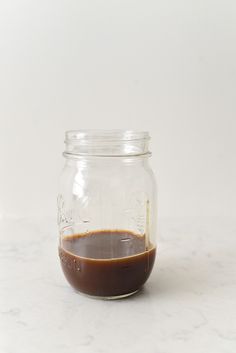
106, 263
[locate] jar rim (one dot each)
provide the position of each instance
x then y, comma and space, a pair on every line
105, 135
106, 143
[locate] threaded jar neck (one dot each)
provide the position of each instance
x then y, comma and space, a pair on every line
106, 143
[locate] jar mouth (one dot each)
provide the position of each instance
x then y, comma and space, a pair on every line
111, 135
106, 143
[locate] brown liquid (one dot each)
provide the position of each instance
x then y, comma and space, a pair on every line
106, 263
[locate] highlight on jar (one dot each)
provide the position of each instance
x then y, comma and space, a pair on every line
107, 212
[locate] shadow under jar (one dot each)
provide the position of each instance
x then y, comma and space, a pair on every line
107, 212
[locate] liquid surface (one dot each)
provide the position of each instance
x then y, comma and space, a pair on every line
106, 263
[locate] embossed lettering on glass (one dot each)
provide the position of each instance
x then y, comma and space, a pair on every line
107, 212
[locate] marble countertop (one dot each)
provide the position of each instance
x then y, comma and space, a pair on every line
188, 304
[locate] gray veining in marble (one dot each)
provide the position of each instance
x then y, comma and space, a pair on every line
188, 305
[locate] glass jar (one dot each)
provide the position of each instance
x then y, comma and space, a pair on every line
107, 212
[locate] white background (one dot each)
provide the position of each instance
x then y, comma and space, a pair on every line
164, 66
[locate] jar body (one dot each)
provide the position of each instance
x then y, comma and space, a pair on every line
107, 223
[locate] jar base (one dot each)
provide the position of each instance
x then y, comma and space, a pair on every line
113, 297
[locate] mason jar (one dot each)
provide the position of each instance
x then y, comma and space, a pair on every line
107, 212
